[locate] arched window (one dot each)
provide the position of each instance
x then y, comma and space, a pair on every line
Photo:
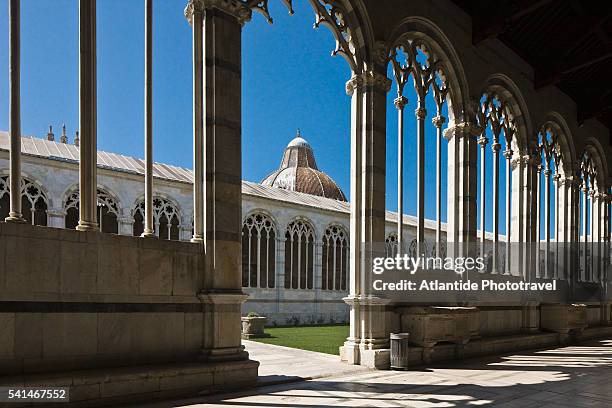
548, 170
335, 258
166, 219
391, 245
498, 126
33, 201
588, 174
258, 251
414, 61
299, 255
107, 213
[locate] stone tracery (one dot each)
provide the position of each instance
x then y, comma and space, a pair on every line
259, 251
34, 201
299, 255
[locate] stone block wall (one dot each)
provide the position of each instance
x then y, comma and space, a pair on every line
81, 300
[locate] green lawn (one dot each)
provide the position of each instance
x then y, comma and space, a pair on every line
324, 339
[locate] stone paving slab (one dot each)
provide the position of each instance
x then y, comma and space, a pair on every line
574, 376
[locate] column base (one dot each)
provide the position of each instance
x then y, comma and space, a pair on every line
87, 226
225, 354
197, 240
379, 359
349, 352
15, 217
148, 234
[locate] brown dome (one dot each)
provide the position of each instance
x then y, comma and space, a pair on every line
298, 172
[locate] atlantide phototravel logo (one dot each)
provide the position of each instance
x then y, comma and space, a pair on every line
503, 273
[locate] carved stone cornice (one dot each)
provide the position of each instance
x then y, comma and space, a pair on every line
368, 79
236, 8
462, 129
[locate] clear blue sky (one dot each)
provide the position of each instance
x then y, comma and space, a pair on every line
290, 81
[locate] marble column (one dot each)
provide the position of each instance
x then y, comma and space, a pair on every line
195, 14
219, 155
148, 122
438, 121
421, 114
400, 102
15, 113
87, 116
462, 185
368, 340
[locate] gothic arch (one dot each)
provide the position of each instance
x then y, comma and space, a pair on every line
300, 238
506, 89
34, 200
557, 124
350, 25
108, 220
259, 238
167, 216
425, 31
594, 149
335, 257
36, 181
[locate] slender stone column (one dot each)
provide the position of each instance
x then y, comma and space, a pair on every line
584, 238
420, 113
556, 179
438, 121
148, 125
15, 113
483, 141
220, 157
195, 14
87, 116
508, 155
496, 146
547, 174
538, 218
400, 102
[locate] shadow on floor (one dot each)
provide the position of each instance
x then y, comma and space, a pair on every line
574, 376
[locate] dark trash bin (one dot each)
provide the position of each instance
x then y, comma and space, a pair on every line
399, 351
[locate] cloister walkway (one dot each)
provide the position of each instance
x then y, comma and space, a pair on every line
574, 376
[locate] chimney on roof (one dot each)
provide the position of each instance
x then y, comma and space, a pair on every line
50, 135
76, 138
64, 138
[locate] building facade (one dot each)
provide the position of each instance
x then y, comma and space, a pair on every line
295, 231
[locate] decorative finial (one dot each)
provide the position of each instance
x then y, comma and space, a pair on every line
76, 138
63, 138
50, 135
299, 134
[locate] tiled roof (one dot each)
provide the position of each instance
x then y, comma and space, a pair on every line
70, 153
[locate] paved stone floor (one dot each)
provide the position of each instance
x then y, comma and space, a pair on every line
575, 376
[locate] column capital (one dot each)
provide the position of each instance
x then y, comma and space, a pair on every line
420, 113
438, 121
518, 160
370, 78
462, 129
236, 8
400, 102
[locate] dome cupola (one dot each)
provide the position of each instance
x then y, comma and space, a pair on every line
298, 171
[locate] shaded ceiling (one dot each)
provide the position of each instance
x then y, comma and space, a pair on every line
567, 42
